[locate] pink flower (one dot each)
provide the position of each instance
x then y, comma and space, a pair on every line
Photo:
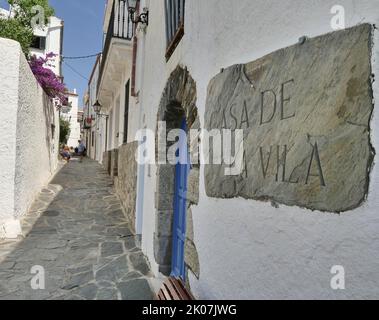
48, 80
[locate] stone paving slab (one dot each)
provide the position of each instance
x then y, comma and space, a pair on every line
77, 232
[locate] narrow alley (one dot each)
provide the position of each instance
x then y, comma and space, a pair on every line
77, 233
188, 150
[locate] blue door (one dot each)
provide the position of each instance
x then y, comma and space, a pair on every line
180, 206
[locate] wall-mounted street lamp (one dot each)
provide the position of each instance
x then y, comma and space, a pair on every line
142, 18
97, 108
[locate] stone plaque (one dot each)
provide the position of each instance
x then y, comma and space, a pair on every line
305, 111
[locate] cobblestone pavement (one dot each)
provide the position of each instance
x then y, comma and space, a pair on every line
77, 232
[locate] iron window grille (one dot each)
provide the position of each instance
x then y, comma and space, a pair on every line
174, 14
120, 26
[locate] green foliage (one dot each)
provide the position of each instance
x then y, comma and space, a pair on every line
23, 10
14, 29
64, 130
20, 26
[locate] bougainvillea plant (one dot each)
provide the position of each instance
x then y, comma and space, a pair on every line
48, 80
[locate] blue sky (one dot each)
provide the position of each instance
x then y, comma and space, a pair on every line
83, 21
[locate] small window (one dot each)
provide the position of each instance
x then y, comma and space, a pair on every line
174, 11
39, 43
93, 139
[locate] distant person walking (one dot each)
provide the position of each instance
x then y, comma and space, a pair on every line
81, 150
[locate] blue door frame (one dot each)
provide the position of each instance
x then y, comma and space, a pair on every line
182, 169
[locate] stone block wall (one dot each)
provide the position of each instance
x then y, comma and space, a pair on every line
107, 157
178, 102
126, 180
114, 163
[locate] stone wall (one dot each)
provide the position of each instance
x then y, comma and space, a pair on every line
114, 163
306, 141
107, 158
29, 137
126, 180
178, 101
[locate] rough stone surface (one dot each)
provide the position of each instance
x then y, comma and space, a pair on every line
113, 270
107, 294
111, 249
137, 289
107, 158
126, 180
305, 111
77, 280
139, 262
191, 257
114, 163
178, 101
193, 186
83, 249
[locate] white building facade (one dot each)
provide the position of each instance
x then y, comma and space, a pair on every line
94, 125
235, 246
72, 115
50, 39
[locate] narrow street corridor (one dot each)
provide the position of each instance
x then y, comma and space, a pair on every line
76, 231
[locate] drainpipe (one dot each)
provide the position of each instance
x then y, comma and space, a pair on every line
134, 62
106, 134
61, 50
141, 125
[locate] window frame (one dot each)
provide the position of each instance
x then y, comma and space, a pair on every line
41, 43
174, 23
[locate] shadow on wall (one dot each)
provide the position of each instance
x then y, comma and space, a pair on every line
36, 138
52, 131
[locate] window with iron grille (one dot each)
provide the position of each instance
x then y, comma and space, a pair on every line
174, 11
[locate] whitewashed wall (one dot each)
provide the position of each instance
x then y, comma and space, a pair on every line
72, 117
53, 34
92, 89
29, 142
100, 139
117, 109
248, 249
